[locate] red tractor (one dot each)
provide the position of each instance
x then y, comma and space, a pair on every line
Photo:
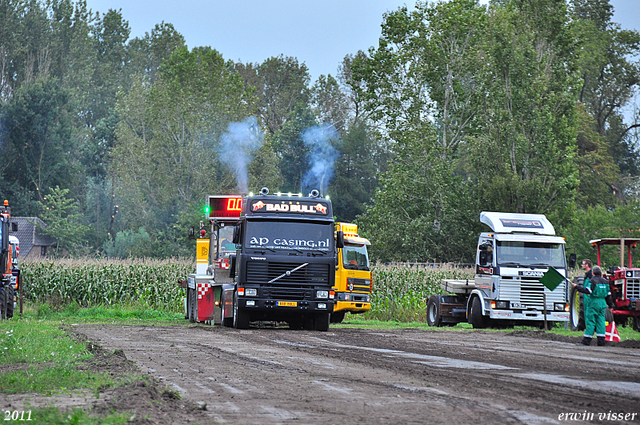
624, 283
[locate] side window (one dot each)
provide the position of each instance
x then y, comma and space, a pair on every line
485, 257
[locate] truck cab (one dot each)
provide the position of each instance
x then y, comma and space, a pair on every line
510, 261
353, 281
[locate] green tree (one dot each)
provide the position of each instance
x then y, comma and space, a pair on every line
607, 59
598, 173
291, 150
285, 86
63, 220
165, 157
37, 126
355, 172
523, 158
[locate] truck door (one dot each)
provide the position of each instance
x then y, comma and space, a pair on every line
485, 262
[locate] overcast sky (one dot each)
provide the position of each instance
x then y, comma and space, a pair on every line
318, 33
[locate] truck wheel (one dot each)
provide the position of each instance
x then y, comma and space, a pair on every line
3, 302
478, 321
337, 316
321, 322
295, 324
576, 311
635, 321
10, 290
193, 304
433, 311
225, 321
240, 318
608, 315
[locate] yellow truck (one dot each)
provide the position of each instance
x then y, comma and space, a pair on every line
353, 283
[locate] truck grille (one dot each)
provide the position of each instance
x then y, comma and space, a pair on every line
287, 293
262, 272
529, 292
633, 288
360, 285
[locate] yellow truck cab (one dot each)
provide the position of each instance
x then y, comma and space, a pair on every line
353, 282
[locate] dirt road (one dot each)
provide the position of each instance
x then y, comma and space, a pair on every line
277, 375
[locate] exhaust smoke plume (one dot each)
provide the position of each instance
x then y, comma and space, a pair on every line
322, 156
237, 146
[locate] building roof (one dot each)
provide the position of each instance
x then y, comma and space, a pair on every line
30, 235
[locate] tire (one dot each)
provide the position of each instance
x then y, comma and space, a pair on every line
337, 317
635, 322
10, 295
227, 322
193, 305
321, 322
433, 311
295, 324
3, 302
608, 315
576, 311
477, 320
240, 318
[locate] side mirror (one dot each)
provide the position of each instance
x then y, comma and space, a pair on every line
485, 258
14, 226
192, 233
572, 260
232, 266
236, 235
340, 239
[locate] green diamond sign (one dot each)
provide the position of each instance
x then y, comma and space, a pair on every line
551, 279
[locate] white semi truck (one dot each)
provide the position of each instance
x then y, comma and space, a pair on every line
506, 290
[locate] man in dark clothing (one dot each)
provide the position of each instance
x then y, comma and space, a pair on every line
588, 274
598, 290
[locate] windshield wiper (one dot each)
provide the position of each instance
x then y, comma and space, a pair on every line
510, 264
319, 251
288, 272
263, 249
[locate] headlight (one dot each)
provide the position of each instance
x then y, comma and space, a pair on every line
251, 303
322, 305
501, 305
322, 294
250, 292
559, 306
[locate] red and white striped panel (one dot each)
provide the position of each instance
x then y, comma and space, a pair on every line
203, 287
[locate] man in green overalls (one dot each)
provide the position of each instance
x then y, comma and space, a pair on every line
586, 298
598, 291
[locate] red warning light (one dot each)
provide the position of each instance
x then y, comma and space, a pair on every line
221, 207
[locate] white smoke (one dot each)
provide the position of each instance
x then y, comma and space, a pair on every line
322, 157
237, 147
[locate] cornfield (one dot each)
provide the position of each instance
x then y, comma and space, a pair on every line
88, 282
400, 291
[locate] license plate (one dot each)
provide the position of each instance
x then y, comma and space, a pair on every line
517, 305
287, 304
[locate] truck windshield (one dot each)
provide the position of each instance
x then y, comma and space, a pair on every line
528, 254
301, 237
355, 257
